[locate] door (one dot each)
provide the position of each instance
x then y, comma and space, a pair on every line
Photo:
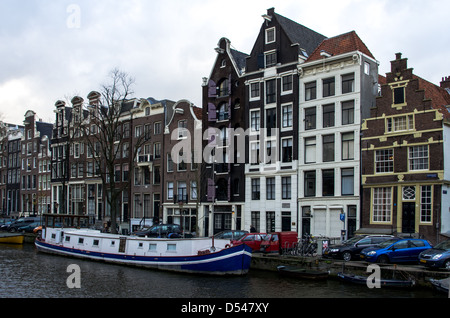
408, 217
222, 222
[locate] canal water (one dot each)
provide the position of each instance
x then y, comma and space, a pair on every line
26, 273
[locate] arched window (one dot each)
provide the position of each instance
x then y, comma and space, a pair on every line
223, 87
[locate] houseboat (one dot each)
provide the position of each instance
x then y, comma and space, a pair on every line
65, 235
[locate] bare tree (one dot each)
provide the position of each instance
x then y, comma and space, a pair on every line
108, 135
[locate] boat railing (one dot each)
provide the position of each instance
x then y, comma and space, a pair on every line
65, 221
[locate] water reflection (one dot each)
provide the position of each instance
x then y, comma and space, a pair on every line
25, 273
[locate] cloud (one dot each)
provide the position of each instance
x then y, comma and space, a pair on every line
168, 46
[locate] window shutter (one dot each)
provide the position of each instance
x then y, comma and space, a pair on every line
212, 89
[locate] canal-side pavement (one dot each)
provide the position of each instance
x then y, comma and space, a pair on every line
419, 273
270, 262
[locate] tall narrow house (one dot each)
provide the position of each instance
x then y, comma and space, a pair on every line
404, 177
338, 87
272, 112
224, 121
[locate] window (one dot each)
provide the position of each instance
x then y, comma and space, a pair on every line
348, 112
310, 150
382, 204
157, 150
271, 59
328, 148
193, 190
254, 153
223, 88
310, 91
271, 120
270, 35
182, 129
256, 220
254, 91
254, 120
270, 188
348, 146
348, 83
169, 190
418, 158
286, 187
287, 116
399, 123
287, 150
348, 181
310, 118
366, 68
182, 192
270, 91
399, 95
157, 128
409, 193
425, 204
169, 163
328, 87
286, 83
310, 183
255, 189
328, 115
384, 161
328, 183
270, 224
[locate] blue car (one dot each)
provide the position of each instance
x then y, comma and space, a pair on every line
396, 251
437, 257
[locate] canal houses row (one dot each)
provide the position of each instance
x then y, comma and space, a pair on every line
300, 134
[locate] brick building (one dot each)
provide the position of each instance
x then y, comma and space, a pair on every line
404, 176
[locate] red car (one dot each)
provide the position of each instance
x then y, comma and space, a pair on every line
251, 239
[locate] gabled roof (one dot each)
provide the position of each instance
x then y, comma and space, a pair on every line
239, 58
306, 38
344, 43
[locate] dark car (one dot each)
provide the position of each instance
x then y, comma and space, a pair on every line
437, 257
230, 234
352, 247
396, 251
14, 226
251, 239
28, 228
161, 230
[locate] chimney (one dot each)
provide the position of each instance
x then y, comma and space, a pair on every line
445, 83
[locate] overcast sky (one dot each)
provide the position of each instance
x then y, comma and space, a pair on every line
55, 49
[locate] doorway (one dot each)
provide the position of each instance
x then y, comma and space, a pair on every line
408, 217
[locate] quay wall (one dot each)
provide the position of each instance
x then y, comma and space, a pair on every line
421, 275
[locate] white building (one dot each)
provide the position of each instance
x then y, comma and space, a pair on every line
338, 86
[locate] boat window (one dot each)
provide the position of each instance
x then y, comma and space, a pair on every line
96, 243
53, 236
113, 243
141, 245
152, 247
67, 238
171, 247
80, 240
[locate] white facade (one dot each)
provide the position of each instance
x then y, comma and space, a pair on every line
329, 132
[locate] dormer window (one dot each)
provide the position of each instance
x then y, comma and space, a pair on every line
270, 35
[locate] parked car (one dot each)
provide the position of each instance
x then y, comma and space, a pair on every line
394, 251
230, 234
278, 242
251, 239
14, 226
28, 228
351, 248
5, 224
161, 230
437, 257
